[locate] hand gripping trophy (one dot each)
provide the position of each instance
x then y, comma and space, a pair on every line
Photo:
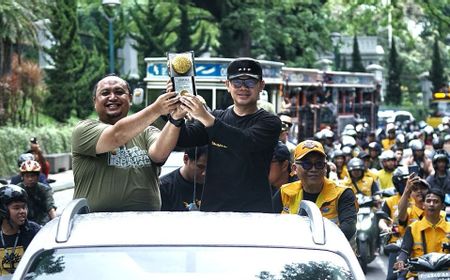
182, 72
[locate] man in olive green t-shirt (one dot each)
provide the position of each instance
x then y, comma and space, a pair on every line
116, 158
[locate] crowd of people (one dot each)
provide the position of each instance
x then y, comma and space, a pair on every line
26, 204
240, 159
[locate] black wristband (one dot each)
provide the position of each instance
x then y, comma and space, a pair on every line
177, 123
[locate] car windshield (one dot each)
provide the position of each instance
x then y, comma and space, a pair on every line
188, 263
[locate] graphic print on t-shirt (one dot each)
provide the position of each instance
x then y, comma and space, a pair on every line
10, 261
129, 158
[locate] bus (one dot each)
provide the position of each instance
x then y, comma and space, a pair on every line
439, 107
313, 98
331, 99
211, 74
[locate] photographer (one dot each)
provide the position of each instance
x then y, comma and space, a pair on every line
35, 149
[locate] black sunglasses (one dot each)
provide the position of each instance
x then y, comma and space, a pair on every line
308, 165
249, 83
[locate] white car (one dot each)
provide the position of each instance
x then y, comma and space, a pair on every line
188, 245
400, 116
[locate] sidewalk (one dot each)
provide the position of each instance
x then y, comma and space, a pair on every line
63, 180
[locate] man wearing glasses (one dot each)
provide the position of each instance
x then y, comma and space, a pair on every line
240, 142
336, 203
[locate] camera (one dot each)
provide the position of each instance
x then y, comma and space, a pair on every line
33, 140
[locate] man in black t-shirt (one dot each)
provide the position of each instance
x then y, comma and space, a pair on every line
240, 142
177, 187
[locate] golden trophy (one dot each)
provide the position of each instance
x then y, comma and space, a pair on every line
182, 72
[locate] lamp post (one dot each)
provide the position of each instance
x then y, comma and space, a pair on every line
112, 4
336, 41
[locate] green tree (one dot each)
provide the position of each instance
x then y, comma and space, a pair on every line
357, 65
74, 70
287, 31
394, 92
196, 29
437, 70
17, 28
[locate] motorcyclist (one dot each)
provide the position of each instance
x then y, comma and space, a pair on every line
328, 140
360, 181
361, 135
389, 164
390, 207
428, 234
419, 158
16, 231
389, 141
15, 180
441, 178
415, 188
398, 152
366, 159
41, 205
338, 159
374, 152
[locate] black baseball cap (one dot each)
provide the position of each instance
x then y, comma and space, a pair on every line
244, 66
281, 152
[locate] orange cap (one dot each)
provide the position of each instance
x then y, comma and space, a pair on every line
307, 147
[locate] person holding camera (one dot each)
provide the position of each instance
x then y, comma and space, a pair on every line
16, 179
41, 204
117, 158
35, 149
240, 142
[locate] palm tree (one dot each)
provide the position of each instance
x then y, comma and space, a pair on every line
17, 27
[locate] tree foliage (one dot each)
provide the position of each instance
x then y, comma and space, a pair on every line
357, 65
437, 70
394, 92
74, 68
17, 28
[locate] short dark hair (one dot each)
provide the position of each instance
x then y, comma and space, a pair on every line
199, 151
111, 75
436, 192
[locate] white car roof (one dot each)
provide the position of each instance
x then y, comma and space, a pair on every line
191, 229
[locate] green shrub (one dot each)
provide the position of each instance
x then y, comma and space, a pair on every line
15, 141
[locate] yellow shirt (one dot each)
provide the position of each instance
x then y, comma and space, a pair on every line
385, 179
327, 201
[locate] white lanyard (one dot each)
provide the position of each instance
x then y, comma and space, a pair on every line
7, 255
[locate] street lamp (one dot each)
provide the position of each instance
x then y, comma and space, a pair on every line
112, 4
336, 41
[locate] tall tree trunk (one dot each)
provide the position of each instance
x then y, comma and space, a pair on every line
5, 57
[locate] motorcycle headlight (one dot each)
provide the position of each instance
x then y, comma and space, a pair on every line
365, 224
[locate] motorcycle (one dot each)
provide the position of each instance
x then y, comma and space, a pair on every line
430, 266
367, 232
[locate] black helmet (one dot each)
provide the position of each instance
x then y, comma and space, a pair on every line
356, 164
399, 178
375, 146
362, 155
438, 143
24, 157
11, 193
440, 155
